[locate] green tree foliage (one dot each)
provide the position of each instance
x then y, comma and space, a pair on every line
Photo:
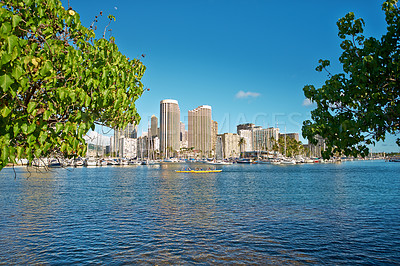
293, 147
361, 105
57, 80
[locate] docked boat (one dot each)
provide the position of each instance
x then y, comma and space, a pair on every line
275, 162
288, 161
91, 162
134, 162
78, 162
263, 161
219, 162
54, 163
244, 160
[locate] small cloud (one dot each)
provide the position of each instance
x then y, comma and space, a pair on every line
243, 95
307, 102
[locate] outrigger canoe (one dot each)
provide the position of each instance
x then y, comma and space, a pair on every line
198, 171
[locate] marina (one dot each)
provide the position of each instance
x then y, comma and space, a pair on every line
322, 213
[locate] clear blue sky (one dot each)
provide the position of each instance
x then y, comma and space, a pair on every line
249, 60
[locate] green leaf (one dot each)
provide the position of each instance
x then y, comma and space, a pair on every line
20, 150
46, 115
16, 130
46, 69
17, 72
5, 28
11, 154
28, 2
31, 107
15, 20
24, 128
87, 100
12, 41
5, 58
4, 153
5, 82
42, 137
62, 94
59, 126
31, 128
38, 152
31, 139
5, 111
46, 147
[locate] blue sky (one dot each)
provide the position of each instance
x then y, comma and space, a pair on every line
249, 60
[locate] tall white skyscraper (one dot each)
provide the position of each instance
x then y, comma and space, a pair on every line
169, 127
199, 129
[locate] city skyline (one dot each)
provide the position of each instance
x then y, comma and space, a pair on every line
248, 60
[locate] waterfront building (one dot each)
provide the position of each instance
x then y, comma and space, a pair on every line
128, 147
264, 138
247, 126
154, 126
129, 132
230, 145
247, 135
219, 150
199, 129
257, 138
316, 150
214, 133
142, 145
169, 127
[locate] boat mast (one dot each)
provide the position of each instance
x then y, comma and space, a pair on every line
285, 141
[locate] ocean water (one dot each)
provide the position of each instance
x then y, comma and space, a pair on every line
346, 213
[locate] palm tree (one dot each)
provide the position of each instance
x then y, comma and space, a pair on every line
242, 142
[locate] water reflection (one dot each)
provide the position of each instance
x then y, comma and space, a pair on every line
321, 214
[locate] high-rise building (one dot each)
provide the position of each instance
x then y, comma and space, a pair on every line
169, 127
154, 126
199, 129
183, 135
214, 133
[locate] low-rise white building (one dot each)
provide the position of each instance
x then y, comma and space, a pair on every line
128, 147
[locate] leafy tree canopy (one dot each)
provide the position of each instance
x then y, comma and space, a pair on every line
292, 146
57, 80
361, 105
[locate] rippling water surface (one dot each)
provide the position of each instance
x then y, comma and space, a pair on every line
345, 213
